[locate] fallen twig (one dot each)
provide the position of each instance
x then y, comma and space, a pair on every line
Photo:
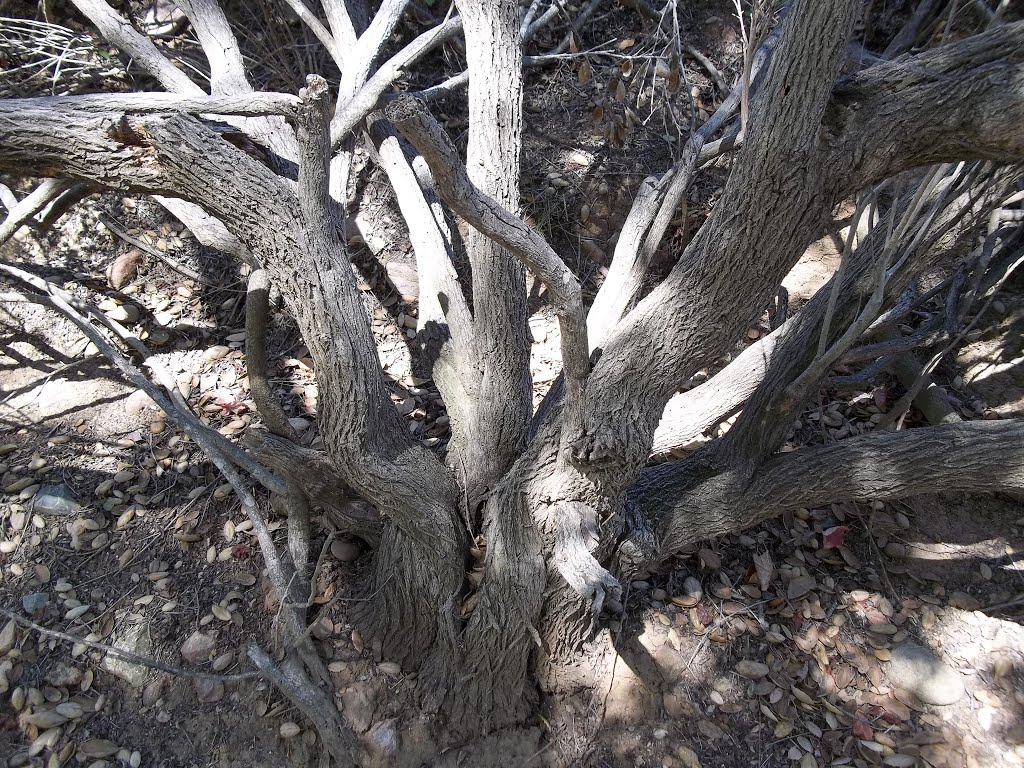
134, 658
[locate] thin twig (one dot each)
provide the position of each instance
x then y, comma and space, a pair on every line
134, 658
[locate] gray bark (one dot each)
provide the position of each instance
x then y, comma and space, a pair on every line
496, 432
978, 456
553, 517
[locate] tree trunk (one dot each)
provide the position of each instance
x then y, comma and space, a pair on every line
562, 509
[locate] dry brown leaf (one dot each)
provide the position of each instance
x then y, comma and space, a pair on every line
765, 569
585, 72
122, 269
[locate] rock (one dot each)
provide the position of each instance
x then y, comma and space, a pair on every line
137, 401
688, 757
345, 551
123, 269
358, 705
152, 692
918, 670
678, 706
752, 670
964, 601
198, 647
383, 738
692, 593
63, 675
98, 748
35, 602
404, 277
135, 639
124, 313
800, 586
209, 691
710, 729
299, 424
289, 730
7, 637
55, 500
895, 549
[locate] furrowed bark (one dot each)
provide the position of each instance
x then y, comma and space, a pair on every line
364, 433
973, 457
962, 101
320, 480
257, 311
249, 105
772, 206
497, 430
537, 511
490, 218
730, 462
493, 689
852, 150
120, 33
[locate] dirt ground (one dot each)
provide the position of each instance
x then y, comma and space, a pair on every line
773, 647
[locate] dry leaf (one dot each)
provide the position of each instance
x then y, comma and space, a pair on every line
800, 585
585, 72
122, 269
833, 537
765, 569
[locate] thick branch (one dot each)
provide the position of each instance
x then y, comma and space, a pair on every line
360, 60
227, 71
322, 34
492, 219
319, 480
257, 310
688, 414
962, 101
248, 105
772, 207
40, 197
980, 456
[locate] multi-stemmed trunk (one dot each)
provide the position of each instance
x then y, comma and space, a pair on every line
563, 499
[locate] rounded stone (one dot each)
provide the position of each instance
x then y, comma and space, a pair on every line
918, 670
